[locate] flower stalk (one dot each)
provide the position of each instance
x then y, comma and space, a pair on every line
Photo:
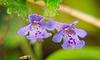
38, 50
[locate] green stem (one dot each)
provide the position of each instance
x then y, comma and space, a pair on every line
27, 49
38, 50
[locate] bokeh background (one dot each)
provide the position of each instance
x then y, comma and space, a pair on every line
12, 45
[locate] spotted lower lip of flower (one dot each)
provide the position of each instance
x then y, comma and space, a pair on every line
72, 43
38, 32
70, 36
36, 28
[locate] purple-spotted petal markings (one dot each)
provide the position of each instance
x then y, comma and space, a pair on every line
36, 28
69, 34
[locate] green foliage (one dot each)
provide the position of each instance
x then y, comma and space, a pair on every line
51, 6
86, 53
16, 6
12, 39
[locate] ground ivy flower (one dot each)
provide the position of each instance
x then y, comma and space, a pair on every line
69, 35
36, 28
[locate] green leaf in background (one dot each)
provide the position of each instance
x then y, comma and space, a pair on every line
51, 6
16, 7
86, 53
12, 39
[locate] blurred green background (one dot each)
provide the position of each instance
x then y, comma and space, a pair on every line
12, 45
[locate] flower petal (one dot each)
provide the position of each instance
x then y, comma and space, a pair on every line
80, 44
32, 17
50, 25
82, 33
46, 35
35, 17
59, 26
74, 23
40, 17
31, 35
38, 34
65, 43
66, 26
58, 37
24, 30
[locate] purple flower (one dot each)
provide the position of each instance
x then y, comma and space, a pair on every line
36, 28
69, 35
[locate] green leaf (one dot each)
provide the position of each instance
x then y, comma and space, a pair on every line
51, 6
86, 53
17, 7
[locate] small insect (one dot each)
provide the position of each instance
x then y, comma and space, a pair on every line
26, 57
